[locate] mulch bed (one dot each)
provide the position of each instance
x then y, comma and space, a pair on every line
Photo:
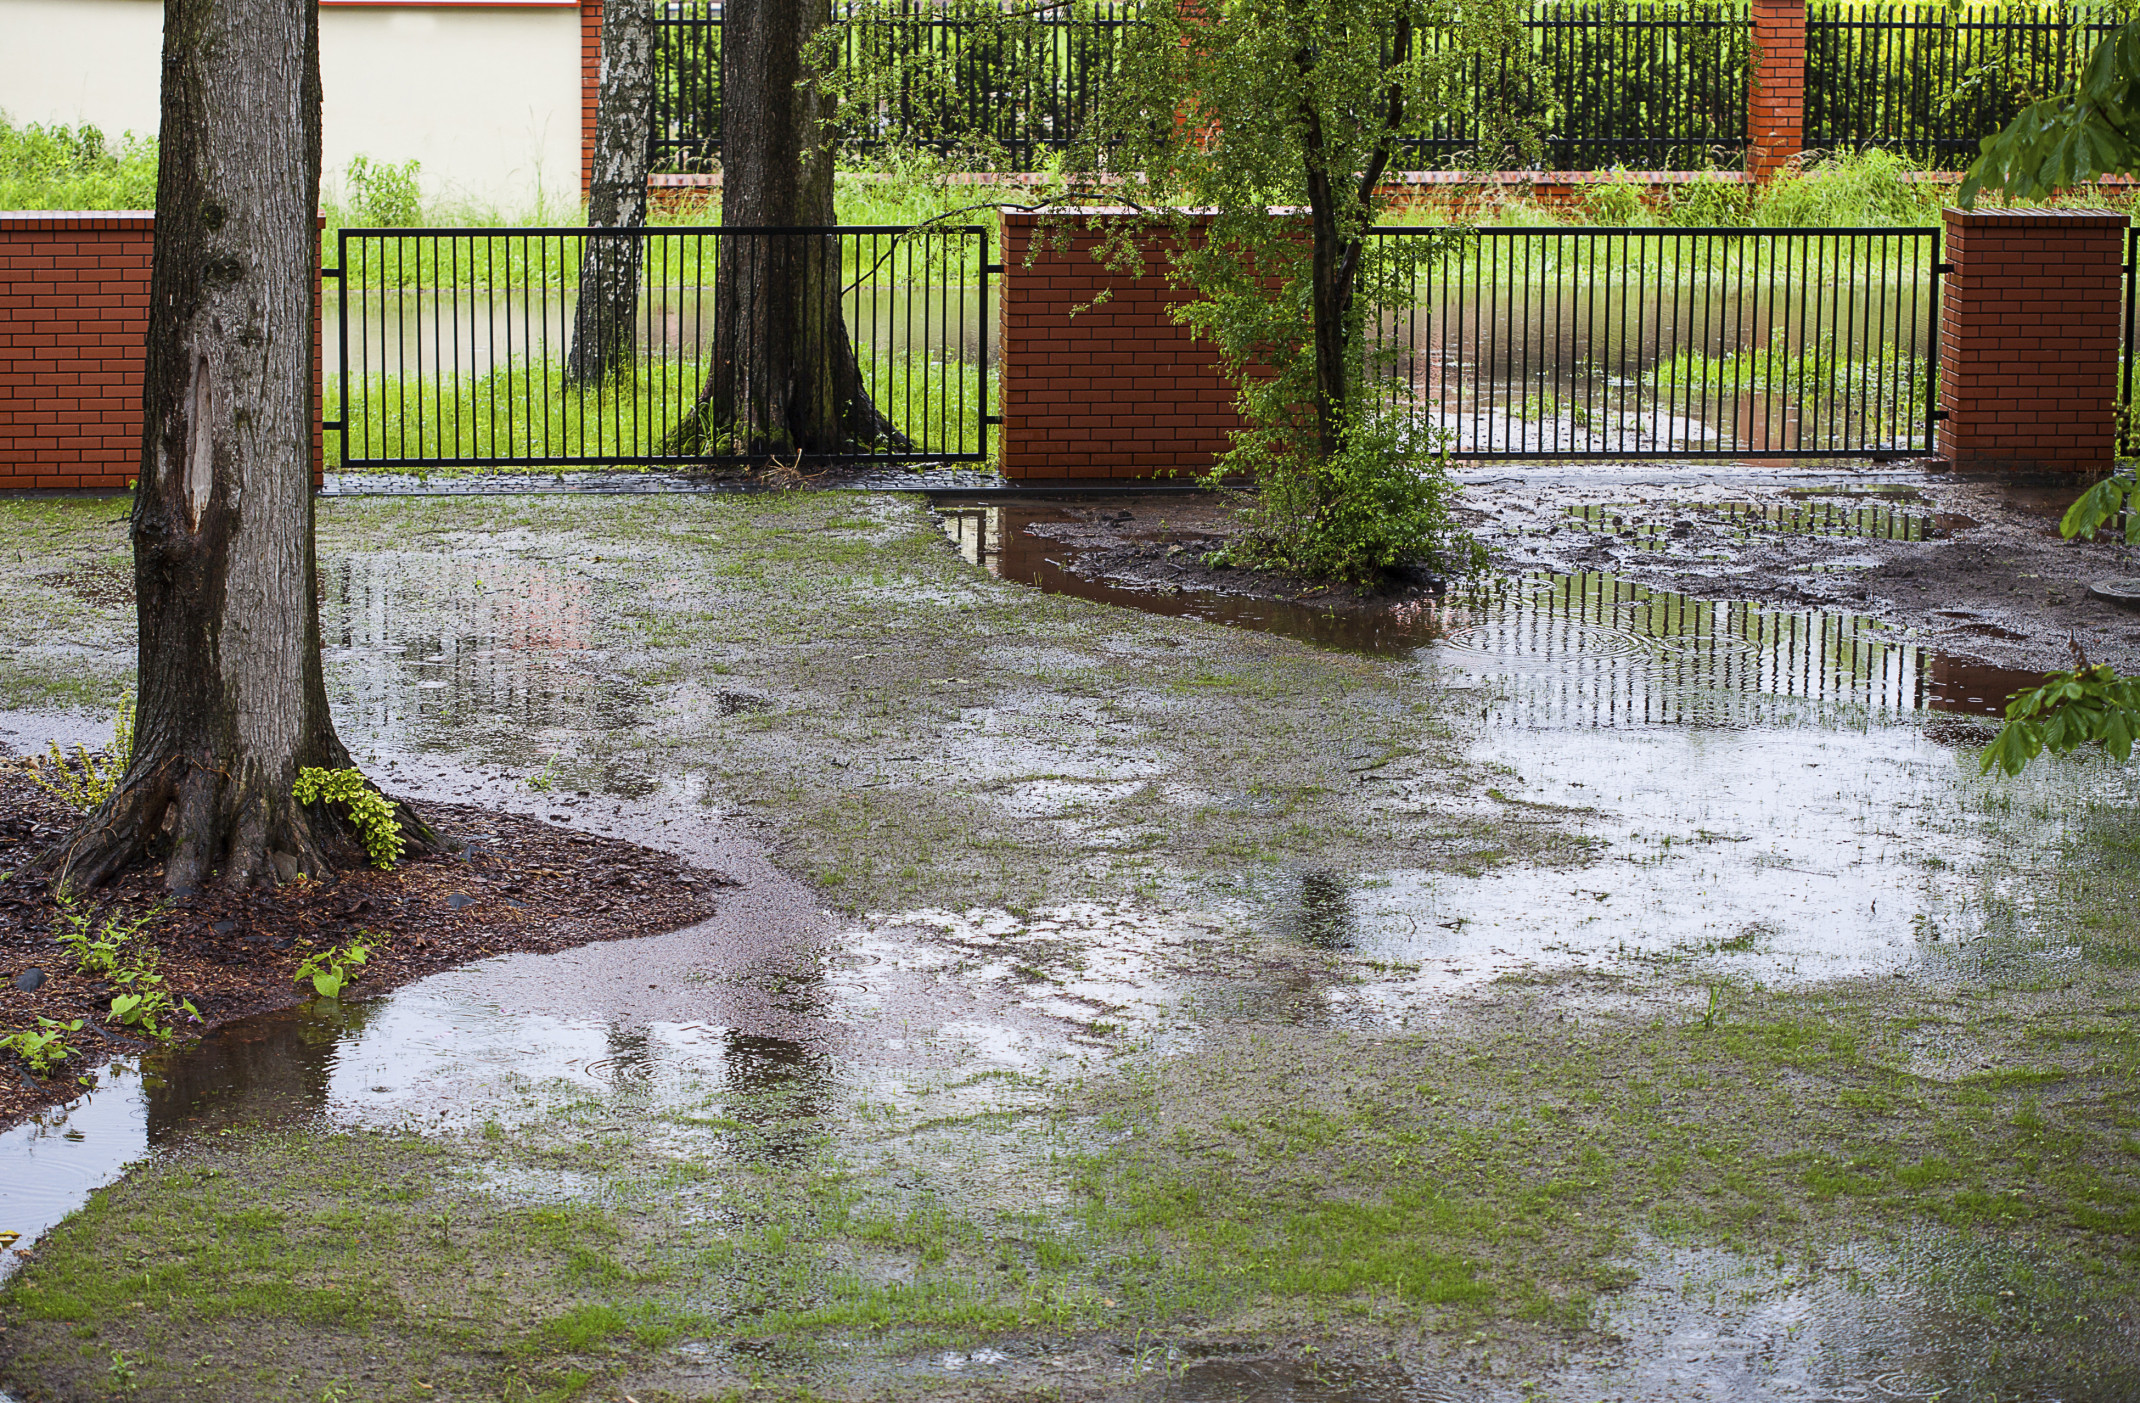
514, 884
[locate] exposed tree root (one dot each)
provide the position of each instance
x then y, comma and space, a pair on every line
207, 827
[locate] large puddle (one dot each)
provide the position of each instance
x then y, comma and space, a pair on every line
1769, 795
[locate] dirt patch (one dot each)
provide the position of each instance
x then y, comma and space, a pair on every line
1976, 570
1161, 544
512, 885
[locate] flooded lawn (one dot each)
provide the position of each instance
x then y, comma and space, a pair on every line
1578, 985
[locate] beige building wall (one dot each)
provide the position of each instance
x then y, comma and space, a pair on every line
486, 96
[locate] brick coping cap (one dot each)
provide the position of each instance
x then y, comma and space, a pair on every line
77, 218
2083, 218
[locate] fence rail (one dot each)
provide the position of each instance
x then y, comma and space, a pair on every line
454, 348
1932, 82
1644, 85
1660, 343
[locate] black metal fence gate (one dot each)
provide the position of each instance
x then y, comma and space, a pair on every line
452, 348
1659, 343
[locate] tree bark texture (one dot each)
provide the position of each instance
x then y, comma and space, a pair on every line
231, 697
605, 320
784, 377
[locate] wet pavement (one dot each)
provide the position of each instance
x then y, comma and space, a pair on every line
1772, 795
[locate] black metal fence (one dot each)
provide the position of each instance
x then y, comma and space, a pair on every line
1626, 82
1019, 88
458, 348
1659, 343
1930, 81
1643, 85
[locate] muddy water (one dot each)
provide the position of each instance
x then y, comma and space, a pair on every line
1762, 785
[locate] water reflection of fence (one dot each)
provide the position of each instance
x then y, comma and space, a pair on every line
452, 347
1594, 650
423, 646
1590, 343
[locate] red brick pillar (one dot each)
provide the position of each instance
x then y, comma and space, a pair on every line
1776, 96
1119, 389
590, 86
2028, 339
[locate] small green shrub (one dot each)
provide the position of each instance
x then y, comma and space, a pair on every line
44, 1047
143, 1003
383, 196
1379, 502
98, 950
368, 810
81, 780
109, 951
332, 970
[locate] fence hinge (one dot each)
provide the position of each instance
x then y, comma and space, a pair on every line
331, 423
335, 273
1943, 269
1939, 414
991, 418
991, 267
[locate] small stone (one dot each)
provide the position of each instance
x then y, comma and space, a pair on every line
29, 980
460, 901
224, 927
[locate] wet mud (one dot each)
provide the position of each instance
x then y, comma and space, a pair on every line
1972, 570
1581, 984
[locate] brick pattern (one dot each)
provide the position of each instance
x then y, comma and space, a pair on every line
590, 86
1776, 96
2028, 339
74, 312
1120, 390
74, 318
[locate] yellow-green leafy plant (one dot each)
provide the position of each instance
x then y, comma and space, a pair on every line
331, 970
369, 811
80, 780
44, 1047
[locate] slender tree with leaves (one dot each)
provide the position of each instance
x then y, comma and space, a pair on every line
1259, 136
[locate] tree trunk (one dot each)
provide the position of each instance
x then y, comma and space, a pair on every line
784, 378
232, 701
605, 322
1339, 249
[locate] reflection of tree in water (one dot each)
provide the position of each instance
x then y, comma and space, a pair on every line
1324, 916
266, 1069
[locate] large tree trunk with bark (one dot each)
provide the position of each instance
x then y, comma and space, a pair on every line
605, 321
784, 378
232, 701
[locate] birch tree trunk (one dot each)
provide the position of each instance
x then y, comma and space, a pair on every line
784, 377
231, 697
605, 321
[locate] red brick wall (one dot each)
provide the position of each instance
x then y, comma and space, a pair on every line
590, 85
2028, 339
74, 310
1119, 390
1776, 97
74, 316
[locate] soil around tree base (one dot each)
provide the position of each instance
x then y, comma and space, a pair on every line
511, 885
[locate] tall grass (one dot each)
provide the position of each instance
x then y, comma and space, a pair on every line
527, 410
62, 167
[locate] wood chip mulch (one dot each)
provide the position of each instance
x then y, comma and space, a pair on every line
512, 885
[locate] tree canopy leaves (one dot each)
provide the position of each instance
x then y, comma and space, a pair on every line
2090, 130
